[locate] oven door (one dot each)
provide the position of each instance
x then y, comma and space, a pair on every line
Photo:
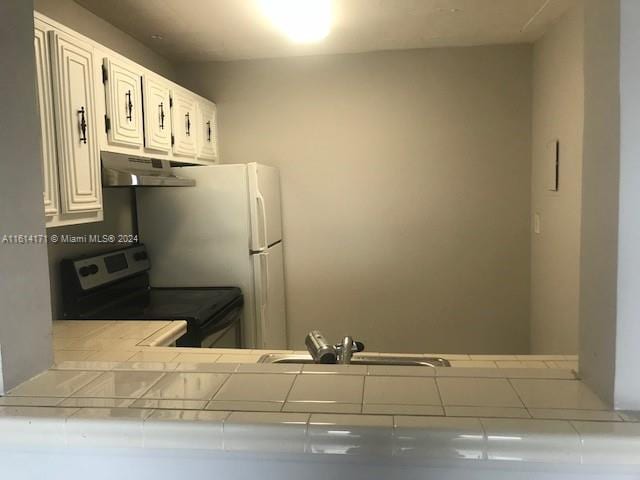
226, 333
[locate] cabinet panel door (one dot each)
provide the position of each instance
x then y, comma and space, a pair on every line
47, 129
74, 101
157, 119
124, 103
207, 131
183, 123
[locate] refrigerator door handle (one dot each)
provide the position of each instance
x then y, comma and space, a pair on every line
262, 220
264, 294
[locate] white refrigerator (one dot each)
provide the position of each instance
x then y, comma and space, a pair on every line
225, 231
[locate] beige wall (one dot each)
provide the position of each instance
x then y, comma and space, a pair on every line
25, 315
405, 185
72, 15
558, 113
118, 218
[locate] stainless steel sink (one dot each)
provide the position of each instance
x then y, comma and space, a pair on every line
360, 360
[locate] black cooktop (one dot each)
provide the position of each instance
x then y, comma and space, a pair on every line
196, 305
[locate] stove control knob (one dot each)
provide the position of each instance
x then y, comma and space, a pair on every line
93, 269
138, 256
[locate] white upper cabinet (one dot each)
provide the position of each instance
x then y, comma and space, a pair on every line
157, 113
123, 102
207, 129
90, 98
47, 128
75, 115
184, 123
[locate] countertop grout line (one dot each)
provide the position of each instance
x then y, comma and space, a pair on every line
515, 390
435, 381
164, 374
286, 397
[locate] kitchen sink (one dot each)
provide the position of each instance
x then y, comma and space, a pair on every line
360, 360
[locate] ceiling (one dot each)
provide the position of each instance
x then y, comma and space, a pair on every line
209, 30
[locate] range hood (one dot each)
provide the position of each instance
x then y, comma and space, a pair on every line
120, 170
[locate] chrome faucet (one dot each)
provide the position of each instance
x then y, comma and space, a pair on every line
322, 352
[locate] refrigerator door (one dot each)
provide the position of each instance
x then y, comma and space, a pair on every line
268, 268
264, 195
199, 236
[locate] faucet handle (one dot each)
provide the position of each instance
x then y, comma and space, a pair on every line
358, 346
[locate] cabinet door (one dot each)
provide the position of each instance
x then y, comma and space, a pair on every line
124, 103
74, 106
207, 131
183, 123
157, 118
47, 128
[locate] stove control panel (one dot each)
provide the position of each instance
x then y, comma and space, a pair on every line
103, 269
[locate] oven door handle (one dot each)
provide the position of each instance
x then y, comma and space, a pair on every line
229, 319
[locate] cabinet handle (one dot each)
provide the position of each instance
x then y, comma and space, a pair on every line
83, 125
188, 132
129, 105
209, 131
161, 107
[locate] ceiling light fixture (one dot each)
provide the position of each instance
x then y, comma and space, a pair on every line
303, 21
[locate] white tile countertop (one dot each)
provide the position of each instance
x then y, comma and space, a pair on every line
499, 410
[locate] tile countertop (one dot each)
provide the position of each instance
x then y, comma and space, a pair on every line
498, 409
